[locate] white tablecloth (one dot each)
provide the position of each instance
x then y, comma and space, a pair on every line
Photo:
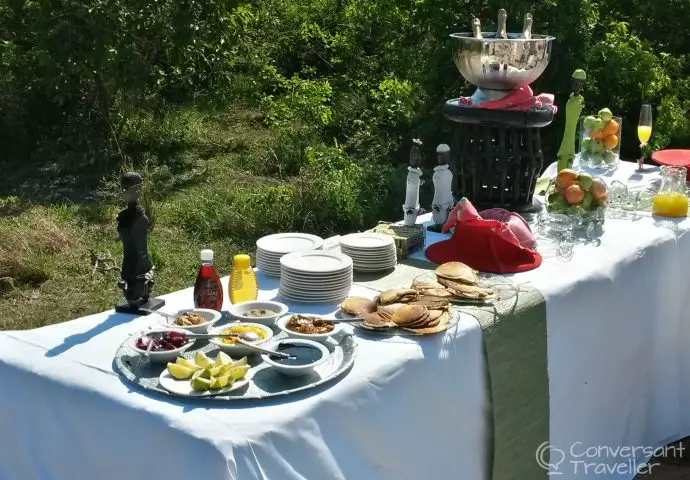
410, 409
70, 417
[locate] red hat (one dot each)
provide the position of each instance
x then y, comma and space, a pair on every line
483, 244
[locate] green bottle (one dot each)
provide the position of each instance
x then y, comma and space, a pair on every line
573, 110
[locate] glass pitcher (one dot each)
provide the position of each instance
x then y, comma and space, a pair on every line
671, 200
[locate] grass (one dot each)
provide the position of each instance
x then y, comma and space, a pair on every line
216, 181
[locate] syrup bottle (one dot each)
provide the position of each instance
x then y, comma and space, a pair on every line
208, 291
243, 284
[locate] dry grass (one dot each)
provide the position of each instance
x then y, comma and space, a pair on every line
28, 245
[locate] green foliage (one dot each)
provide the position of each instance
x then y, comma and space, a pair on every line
342, 87
72, 68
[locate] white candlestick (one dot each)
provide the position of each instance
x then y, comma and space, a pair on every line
443, 190
413, 182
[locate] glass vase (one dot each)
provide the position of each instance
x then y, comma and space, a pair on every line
600, 142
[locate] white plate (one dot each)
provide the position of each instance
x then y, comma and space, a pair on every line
314, 295
302, 273
320, 290
316, 278
288, 278
316, 262
184, 387
375, 264
289, 242
367, 251
357, 258
295, 298
262, 256
388, 261
268, 263
371, 257
310, 288
332, 291
270, 273
366, 241
374, 270
329, 293
269, 269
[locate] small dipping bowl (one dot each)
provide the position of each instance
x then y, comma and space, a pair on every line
317, 337
163, 356
240, 311
211, 317
238, 350
309, 355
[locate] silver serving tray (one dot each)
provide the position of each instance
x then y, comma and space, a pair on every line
266, 382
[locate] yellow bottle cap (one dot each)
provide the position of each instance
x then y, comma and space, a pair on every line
242, 261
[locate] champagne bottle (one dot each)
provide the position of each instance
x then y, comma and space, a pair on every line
501, 27
477, 27
527, 26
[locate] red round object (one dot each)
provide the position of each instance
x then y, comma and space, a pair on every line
673, 158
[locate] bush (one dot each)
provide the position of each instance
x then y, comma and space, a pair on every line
342, 88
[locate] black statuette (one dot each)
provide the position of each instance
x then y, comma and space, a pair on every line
137, 274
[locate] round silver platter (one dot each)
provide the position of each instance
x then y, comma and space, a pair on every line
265, 382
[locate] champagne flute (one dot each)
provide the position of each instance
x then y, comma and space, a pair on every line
644, 130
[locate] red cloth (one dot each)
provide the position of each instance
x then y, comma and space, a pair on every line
485, 245
522, 98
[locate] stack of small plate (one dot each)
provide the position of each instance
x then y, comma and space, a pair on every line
315, 277
271, 248
370, 252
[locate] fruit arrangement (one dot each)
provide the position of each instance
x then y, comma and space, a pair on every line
572, 193
206, 374
600, 138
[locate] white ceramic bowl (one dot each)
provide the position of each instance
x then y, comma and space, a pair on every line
211, 317
237, 350
240, 310
318, 337
163, 356
297, 370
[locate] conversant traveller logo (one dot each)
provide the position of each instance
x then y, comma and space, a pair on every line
604, 460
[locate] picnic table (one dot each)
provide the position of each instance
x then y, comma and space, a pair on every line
589, 356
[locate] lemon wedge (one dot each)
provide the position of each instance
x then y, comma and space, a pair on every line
203, 373
200, 384
202, 360
215, 371
187, 363
180, 372
220, 382
223, 359
241, 361
238, 372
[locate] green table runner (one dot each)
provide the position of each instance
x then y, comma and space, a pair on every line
514, 332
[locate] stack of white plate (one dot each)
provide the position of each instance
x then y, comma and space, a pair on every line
370, 252
316, 276
271, 248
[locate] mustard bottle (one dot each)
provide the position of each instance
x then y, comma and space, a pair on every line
243, 284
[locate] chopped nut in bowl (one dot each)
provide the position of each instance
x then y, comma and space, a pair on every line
195, 320
308, 327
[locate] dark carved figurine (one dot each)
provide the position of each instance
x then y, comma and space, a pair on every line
137, 269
